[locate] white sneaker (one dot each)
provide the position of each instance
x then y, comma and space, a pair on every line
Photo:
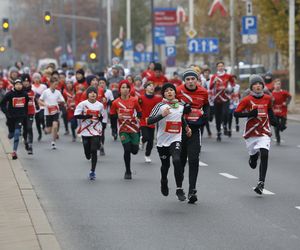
147, 159
53, 145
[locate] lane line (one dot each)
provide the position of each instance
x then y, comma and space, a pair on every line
267, 192
202, 164
229, 176
298, 146
298, 207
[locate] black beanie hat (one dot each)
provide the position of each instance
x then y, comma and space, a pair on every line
190, 72
25, 77
80, 71
91, 89
165, 86
102, 78
90, 78
157, 66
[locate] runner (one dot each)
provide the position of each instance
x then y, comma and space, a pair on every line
14, 106
169, 116
90, 111
176, 81
158, 79
147, 101
150, 71
28, 121
50, 99
281, 99
127, 111
38, 89
234, 102
194, 96
257, 108
221, 85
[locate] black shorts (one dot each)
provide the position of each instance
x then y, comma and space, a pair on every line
50, 119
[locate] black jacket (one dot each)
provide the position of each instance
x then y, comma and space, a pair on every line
14, 104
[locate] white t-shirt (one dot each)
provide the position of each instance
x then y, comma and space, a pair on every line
92, 126
51, 100
39, 90
109, 97
169, 129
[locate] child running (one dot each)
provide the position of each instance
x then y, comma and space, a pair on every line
91, 112
169, 116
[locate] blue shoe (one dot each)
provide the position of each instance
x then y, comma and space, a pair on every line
92, 175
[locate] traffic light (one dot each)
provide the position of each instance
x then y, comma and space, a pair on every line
93, 56
2, 49
5, 24
47, 17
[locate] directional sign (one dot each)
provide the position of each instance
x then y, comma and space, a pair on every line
162, 31
249, 29
203, 46
165, 16
128, 45
170, 51
144, 57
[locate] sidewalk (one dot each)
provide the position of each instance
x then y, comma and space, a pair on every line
24, 224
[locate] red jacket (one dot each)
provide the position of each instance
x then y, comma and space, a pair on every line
218, 85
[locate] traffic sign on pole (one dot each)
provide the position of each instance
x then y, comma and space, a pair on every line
203, 46
170, 51
249, 29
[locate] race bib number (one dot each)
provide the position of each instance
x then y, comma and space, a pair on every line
261, 110
126, 113
194, 115
173, 127
18, 102
94, 113
52, 110
277, 109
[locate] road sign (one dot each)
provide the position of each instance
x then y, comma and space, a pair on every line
191, 33
249, 8
94, 34
117, 51
144, 57
128, 45
170, 51
170, 40
117, 43
165, 16
203, 46
249, 29
161, 32
139, 47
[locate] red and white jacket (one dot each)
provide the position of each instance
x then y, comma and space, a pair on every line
280, 102
260, 125
218, 84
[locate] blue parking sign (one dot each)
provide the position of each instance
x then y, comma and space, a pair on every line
249, 25
170, 51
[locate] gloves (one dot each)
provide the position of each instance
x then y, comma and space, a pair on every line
253, 113
187, 108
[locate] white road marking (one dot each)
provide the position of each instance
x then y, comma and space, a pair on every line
274, 140
265, 191
298, 207
229, 176
202, 164
298, 146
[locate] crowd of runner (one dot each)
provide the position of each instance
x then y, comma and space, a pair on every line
176, 110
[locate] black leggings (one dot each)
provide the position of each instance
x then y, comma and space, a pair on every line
64, 117
221, 113
148, 136
281, 125
27, 129
40, 121
129, 149
230, 118
264, 156
191, 147
90, 146
102, 139
165, 153
74, 125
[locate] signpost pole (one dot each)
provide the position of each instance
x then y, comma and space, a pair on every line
191, 22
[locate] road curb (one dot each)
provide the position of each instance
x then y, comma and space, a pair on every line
37, 215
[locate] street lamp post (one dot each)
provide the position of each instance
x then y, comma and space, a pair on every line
292, 52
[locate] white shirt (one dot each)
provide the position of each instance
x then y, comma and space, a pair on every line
109, 97
92, 126
169, 129
51, 100
39, 91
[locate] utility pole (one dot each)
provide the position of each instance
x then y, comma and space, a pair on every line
109, 54
100, 41
232, 41
191, 23
74, 42
292, 52
152, 29
128, 31
62, 31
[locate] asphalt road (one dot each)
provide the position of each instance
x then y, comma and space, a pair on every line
111, 213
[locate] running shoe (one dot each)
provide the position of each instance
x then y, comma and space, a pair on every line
219, 137
164, 187
67, 133
11, 135
229, 133
127, 176
192, 196
237, 128
102, 152
30, 151
259, 188
92, 175
180, 194
253, 160
147, 159
14, 155
40, 137
53, 145
26, 146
